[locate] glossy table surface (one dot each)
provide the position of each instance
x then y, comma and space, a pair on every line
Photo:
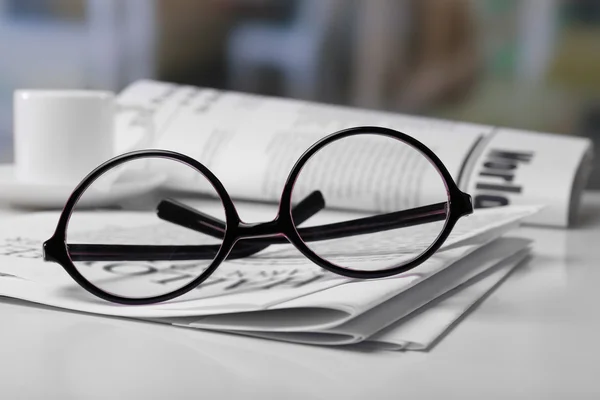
536, 337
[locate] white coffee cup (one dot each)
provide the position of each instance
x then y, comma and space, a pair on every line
61, 135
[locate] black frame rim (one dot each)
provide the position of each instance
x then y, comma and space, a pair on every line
56, 246
456, 204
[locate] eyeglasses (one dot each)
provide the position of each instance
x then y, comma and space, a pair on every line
146, 213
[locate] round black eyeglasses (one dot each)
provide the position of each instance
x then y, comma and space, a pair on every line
374, 166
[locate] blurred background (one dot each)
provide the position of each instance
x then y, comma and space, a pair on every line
529, 64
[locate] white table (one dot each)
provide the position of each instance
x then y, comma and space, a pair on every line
536, 337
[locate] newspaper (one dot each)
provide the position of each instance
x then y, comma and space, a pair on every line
251, 143
279, 295
503, 254
422, 329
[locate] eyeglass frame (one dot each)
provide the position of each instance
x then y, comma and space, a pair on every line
459, 204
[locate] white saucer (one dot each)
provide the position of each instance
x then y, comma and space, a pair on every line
44, 196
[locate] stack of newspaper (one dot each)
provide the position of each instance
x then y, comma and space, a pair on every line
289, 298
281, 295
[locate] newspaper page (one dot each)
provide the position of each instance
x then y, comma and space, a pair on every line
271, 285
422, 329
496, 255
251, 143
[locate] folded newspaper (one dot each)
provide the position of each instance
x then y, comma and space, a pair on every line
277, 293
266, 135
281, 296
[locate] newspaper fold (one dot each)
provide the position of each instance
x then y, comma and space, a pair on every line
499, 254
425, 327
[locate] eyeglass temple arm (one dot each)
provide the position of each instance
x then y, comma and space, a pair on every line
180, 214
378, 223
